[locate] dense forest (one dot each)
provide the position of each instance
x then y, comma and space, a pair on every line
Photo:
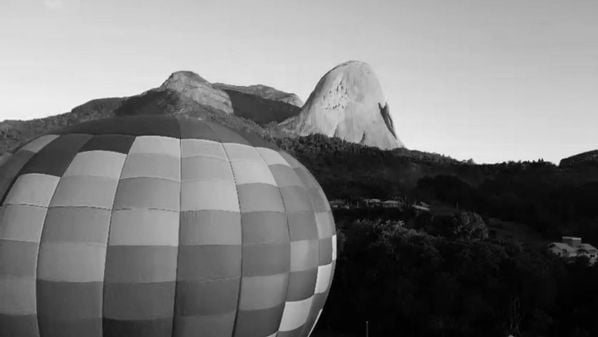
407, 282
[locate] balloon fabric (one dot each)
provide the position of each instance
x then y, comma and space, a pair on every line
161, 226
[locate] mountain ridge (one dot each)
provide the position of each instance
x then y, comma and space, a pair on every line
587, 158
258, 108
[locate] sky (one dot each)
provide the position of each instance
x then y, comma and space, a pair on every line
483, 79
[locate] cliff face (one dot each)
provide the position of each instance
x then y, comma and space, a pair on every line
347, 103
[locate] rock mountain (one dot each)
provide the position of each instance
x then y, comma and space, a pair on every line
347, 103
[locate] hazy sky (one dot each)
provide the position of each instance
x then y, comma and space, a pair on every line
484, 79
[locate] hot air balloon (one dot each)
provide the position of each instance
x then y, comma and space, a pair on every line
161, 226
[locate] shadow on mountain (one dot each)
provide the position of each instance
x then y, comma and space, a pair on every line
260, 110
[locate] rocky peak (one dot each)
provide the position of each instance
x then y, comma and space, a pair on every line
192, 86
183, 79
348, 103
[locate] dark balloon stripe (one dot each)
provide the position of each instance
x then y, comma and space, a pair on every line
205, 326
302, 284
113, 143
258, 322
302, 226
17, 258
52, 327
209, 262
325, 251
269, 200
138, 328
206, 298
9, 171
266, 259
18, 325
76, 224
56, 156
265, 228
142, 264
138, 301
295, 199
69, 301
210, 227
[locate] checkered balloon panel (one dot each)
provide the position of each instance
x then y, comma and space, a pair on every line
161, 226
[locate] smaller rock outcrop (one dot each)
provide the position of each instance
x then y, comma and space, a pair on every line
263, 91
196, 88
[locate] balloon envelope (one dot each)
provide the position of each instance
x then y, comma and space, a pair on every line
160, 226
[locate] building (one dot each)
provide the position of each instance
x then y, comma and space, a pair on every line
571, 247
370, 203
421, 207
339, 204
391, 204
